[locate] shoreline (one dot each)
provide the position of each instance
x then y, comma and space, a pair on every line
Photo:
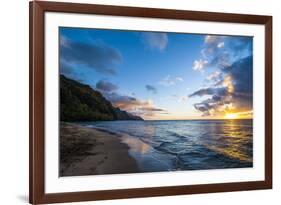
94, 150
90, 151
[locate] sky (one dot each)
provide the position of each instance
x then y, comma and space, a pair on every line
163, 76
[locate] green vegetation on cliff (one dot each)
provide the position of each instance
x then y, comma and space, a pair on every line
80, 102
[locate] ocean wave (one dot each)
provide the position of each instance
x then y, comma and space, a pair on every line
189, 145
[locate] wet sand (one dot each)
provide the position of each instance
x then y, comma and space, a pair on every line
88, 151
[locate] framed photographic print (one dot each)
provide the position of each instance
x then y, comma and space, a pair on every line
138, 102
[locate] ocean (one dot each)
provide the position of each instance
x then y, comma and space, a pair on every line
185, 144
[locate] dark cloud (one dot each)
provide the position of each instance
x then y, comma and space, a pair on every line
151, 88
232, 84
212, 43
241, 72
105, 86
65, 68
72, 72
122, 101
219, 51
221, 59
240, 43
233, 93
153, 109
150, 111
216, 98
213, 105
203, 107
133, 105
209, 91
97, 56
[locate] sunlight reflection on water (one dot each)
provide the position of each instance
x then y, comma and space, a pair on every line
135, 144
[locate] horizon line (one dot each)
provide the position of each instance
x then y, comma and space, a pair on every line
197, 119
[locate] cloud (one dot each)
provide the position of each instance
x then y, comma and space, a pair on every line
152, 109
155, 40
97, 56
169, 81
65, 68
239, 44
151, 88
212, 39
220, 59
133, 105
215, 52
222, 51
220, 45
123, 101
232, 81
199, 65
148, 112
210, 91
105, 86
64, 41
215, 76
72, 72
129, 103
242, 73
213, 44
232, 93
179, 79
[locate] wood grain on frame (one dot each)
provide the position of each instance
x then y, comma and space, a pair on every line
36, 128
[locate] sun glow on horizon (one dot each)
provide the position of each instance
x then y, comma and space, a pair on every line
188, 116
231, 116
239, 115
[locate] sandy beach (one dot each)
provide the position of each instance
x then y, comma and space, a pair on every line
88, 151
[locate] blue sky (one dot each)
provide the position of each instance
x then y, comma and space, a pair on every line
162, 75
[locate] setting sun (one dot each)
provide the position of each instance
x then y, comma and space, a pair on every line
231, 116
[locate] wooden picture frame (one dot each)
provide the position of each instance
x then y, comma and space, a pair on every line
37, 193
